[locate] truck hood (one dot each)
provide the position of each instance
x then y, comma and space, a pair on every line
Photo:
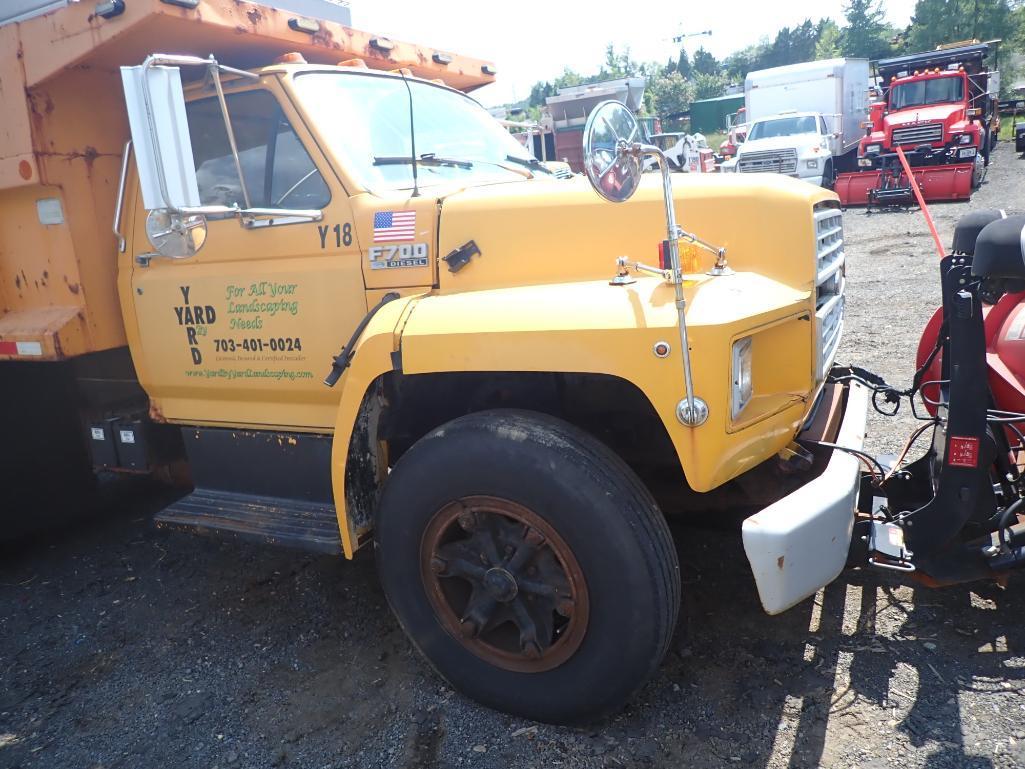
800, 142
934, 113
561, 231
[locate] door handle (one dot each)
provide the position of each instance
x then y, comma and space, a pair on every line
143, 260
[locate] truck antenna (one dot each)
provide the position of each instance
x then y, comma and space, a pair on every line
412, 136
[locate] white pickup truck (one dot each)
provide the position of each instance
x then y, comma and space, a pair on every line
792, 143
805, 119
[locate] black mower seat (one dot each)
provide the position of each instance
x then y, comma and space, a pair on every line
969, 226
999, 249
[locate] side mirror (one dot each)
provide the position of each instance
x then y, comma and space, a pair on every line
174, 235
155, 102
160, 135
613, 170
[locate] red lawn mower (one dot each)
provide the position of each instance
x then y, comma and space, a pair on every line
954, 514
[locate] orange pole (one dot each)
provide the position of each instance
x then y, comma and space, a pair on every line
921, 202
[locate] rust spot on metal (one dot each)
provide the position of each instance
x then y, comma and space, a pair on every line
240, 30
25, 170
779, 562
254, 16
156, 414
90, 155
324, 38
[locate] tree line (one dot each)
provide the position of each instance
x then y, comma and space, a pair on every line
864, 33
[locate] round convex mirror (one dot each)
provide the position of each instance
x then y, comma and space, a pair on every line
174, 235
610, 128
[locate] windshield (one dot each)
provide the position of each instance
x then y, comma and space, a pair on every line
365, 119
783, 126
938, 90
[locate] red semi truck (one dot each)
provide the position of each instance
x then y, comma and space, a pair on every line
940, 108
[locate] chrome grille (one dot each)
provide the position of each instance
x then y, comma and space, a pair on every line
829, 282
769, 161
919, 134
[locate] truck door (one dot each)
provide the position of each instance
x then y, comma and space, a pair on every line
244, 331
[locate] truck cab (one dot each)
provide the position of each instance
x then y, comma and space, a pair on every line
926, 109
796, 144
804, 119
939, 107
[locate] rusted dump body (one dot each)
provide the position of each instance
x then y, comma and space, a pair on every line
63, 134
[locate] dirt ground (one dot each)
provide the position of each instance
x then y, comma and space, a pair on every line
123, 646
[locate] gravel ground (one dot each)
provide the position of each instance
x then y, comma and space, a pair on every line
122, 646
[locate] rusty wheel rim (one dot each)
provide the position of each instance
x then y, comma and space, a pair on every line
504, 584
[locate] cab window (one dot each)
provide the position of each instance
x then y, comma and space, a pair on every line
279, 173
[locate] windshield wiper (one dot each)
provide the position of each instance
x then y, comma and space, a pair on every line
532, 163
427, 159
430, 159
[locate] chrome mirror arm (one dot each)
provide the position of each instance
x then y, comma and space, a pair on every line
691, 411
125, 158
214, 69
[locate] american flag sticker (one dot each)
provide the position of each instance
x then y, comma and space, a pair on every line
390, 226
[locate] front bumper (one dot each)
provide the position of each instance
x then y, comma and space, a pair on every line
800, 543
919, 156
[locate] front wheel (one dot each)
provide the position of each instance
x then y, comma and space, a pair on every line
529, 565
828, 176
978, 172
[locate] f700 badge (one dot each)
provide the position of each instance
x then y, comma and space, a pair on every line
405, 255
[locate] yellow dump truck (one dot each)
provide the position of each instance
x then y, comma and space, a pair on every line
298, 264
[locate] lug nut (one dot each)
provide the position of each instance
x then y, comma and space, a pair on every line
565, 607
534, 538
467, 521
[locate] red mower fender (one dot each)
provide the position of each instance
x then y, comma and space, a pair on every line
1005, 353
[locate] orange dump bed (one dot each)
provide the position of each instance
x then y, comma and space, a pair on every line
63, 133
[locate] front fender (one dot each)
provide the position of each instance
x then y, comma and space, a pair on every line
593, 327
373, 357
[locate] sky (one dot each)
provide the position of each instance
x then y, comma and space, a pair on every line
536, 40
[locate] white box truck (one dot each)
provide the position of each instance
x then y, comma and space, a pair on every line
805, 119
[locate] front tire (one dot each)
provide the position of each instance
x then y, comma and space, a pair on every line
828, 176
978, 172
529, 565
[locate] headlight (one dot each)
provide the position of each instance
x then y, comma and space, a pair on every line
742, 386
873, 149
812, 163
964, 139
864, 162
